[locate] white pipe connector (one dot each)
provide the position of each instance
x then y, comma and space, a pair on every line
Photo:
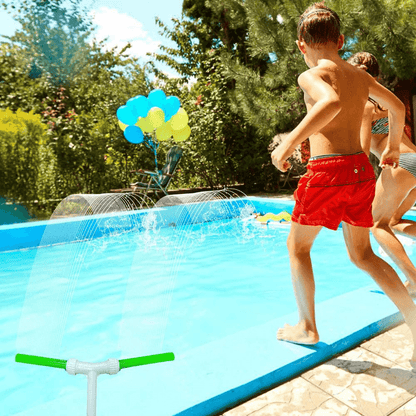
92, 371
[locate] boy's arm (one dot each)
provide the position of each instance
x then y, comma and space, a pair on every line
397, 112
326, 107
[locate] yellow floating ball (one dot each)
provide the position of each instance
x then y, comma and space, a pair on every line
179, 120
181, 135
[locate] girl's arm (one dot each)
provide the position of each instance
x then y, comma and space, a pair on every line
397, 112
365, 132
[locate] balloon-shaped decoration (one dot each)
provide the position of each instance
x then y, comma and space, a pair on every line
133, 134
126, 116
172, 106
145, 125
156, 117
140, 104
179, 120
155, 113
181, 135
164, 132
122, 125
157, 98
130, 105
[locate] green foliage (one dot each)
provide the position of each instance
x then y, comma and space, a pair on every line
17, 89
53, 37
267, 94
268, 97
26, 160
238, 65
385, 28
223, 149
86, 148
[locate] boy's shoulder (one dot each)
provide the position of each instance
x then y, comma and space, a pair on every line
328, 70
311, 75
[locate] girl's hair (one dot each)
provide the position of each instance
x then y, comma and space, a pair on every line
319, 25
366, 61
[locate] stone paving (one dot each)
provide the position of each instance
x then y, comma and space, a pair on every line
374, 379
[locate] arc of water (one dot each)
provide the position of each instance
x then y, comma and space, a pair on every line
45, 312
185, 217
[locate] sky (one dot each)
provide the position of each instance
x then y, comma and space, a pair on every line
124, 21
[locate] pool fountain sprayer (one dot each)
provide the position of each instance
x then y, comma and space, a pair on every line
83, 225
93, 370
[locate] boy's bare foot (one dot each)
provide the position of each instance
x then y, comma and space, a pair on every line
411, 288
297, 334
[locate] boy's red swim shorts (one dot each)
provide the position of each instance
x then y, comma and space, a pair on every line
335, 189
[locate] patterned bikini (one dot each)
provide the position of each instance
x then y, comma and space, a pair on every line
380, 126
407, 161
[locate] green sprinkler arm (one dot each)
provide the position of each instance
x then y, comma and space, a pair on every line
93, 370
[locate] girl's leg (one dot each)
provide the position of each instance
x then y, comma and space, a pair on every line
392, 188
405, 226
358, 244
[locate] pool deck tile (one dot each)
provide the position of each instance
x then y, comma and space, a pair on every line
373, 379
299, 395
365, 382
409, 409
394, 345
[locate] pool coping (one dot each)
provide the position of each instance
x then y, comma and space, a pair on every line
293, 360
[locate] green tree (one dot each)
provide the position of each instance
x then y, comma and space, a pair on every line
91, 152
270, 100
223, 149
17, 89
53, 37
384, 28
93, 155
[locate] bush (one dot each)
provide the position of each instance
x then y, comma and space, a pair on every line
26, 161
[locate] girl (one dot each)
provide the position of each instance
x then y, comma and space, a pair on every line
394, 187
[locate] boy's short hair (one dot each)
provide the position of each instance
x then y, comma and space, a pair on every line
319, 25
366, 61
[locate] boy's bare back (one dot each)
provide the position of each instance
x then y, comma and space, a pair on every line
345, 86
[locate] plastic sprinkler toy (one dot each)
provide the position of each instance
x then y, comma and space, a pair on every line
93, 370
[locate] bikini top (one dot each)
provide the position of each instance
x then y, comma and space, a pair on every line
381, 125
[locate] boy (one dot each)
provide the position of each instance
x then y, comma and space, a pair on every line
339, 184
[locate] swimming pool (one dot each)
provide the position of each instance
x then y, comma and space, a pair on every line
212, 292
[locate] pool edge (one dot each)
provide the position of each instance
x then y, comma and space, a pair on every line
223, 402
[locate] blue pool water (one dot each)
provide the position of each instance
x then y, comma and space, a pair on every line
178, 288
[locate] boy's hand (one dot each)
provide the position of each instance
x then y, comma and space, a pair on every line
389, 158
280, 163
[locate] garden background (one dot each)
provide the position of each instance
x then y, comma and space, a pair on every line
237, 63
